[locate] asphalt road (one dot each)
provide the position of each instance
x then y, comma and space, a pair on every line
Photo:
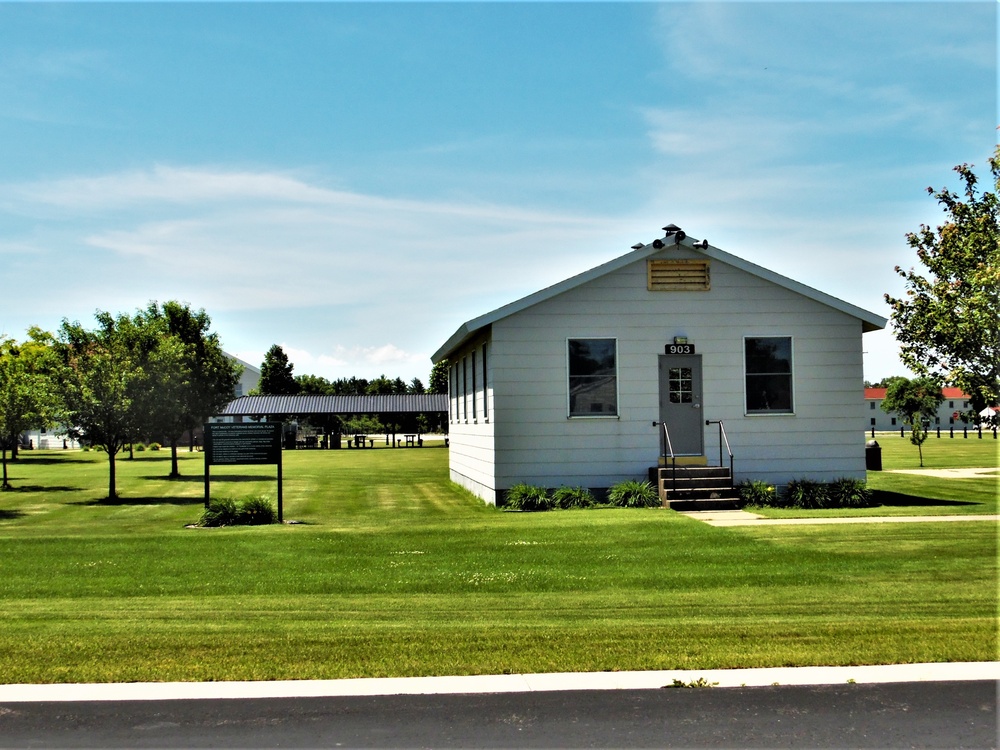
887, 715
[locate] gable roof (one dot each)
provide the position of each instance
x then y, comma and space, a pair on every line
246, 365
869, 321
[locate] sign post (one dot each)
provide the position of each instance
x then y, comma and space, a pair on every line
229, 444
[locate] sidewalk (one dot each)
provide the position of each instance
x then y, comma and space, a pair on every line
745, 518
519, 683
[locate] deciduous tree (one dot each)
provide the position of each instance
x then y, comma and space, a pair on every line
194, 378
106, 382
946, 323
27, 395
916, 402
438, 381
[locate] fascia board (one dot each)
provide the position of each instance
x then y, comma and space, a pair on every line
869, 321
474, 326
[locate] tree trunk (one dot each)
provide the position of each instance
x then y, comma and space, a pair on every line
112, 494
6, 484
174, 468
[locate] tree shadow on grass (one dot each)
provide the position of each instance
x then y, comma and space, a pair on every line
41, 488
128, 500
11, 515
47, 460
200, 478
899, 499
144, 456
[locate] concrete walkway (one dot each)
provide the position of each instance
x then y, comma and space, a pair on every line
988, 473
517, 683
745, 518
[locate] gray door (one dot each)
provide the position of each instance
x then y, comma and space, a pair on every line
680, 402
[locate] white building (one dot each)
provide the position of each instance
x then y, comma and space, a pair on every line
574, 385
249, 379
949, 413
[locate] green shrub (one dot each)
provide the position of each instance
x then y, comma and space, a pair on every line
222, 512
633, 494
849, 493
573, 497
805, 493
528, 497
155, 446
257, 511
758, 493
138, 447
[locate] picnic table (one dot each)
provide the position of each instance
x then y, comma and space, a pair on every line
359, 442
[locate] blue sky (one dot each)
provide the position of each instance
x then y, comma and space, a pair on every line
354, 181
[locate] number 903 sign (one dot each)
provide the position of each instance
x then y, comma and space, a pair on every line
679, 348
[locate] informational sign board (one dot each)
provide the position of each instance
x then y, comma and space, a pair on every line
245, 443
679, 349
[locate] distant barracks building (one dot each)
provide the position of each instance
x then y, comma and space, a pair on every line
949, 412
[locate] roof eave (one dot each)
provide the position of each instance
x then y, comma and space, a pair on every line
869, 321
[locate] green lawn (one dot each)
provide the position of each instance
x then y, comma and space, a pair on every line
904, 494
393, 571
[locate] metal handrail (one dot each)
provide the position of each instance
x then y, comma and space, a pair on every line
723, 438
668, 446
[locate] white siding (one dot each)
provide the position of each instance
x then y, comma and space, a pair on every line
471, 438
535, 442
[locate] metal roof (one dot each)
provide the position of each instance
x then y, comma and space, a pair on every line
869, 321
311, 404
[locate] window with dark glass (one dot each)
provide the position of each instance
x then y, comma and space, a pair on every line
486, 389
768, 362
475, 409
593, 378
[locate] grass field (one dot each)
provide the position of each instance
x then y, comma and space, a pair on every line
393, 571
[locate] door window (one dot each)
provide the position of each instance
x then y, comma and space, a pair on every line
681, 385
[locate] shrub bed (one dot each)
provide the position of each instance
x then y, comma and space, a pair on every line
528, 497
633, 494
573, 497
807, 494
252, 511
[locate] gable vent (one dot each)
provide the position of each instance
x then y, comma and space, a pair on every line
678, 276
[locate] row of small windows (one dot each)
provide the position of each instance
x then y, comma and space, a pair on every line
951, 404
468, 387
937, 420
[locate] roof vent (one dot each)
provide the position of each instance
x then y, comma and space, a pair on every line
684, 275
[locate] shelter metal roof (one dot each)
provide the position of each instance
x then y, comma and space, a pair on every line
312, 404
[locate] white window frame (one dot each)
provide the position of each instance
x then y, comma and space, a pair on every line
590, 415
790, 412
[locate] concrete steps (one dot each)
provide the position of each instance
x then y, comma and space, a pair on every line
695, 487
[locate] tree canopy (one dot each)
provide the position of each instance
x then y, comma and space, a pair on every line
27, 396
276, 378
195, 380
916, 402
946, 323
107, 380
438, 381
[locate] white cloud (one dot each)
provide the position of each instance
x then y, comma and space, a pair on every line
346, 269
